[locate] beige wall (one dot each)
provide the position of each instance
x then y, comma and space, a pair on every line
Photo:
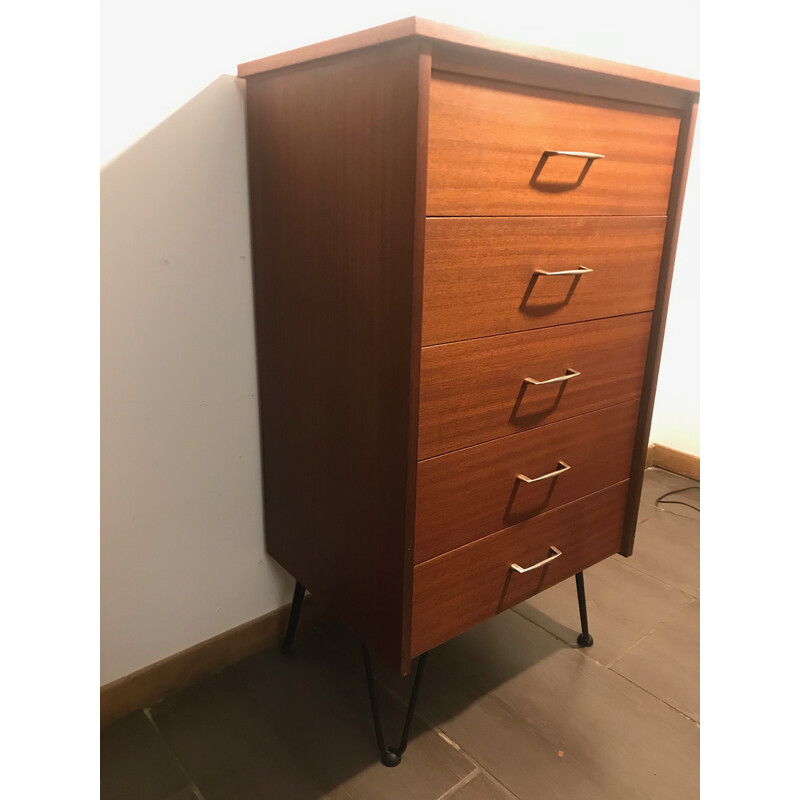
181, 552
676, 416
182, 546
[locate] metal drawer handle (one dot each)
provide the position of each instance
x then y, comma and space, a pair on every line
577, 271
555, 554
562, 468
573, 153
549, 186
571, 373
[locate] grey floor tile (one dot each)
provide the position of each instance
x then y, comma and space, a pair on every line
480, 787
135, 764
623, 605
300, 728
667, 662
667, 547
658, 482
514, 697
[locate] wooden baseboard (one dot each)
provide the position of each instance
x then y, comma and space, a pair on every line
659, 455
148, 685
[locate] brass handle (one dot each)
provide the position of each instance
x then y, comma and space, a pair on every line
573, 153
571, 373
562, 468
554, 550
577, 271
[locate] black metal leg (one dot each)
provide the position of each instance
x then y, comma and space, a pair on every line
294, 617
391, 756
584, 637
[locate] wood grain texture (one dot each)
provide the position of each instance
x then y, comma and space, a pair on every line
475, 391
473, 583
468, 494
487, 141
530, 56
677, 192
332, 167
479, 277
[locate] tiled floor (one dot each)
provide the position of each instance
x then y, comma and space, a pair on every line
512, 709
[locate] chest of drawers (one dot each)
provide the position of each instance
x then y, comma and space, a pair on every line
462, 259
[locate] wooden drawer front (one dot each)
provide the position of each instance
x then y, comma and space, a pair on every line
471, 493
488, 144
474, 391
466, 586
479, 273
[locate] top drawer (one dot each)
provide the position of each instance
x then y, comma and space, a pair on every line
496, 149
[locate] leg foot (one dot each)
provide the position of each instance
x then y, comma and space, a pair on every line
294, 617
390, 759
391, 756
584, 638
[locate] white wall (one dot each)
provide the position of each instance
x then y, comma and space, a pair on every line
182, 546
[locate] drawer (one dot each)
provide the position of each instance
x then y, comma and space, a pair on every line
473, 583
482, 389
499, 149
468, 494
481, 274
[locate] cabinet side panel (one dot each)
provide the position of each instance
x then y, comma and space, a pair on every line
332, 165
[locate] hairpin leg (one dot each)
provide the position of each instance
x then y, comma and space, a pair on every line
391, 756
584, 637
294, 617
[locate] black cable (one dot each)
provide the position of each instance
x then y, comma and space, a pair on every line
677, 502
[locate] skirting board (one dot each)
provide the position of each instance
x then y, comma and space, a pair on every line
149, 684
659, 455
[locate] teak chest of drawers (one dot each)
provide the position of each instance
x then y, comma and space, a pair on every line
462, 258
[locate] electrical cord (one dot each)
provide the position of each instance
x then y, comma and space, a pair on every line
677, 502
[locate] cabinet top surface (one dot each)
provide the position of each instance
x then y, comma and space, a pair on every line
437, 32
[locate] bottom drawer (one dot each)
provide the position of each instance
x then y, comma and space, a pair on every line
463, 587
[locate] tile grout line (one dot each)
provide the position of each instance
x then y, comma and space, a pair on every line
660, 699
479, 767
509, 709
191, 784
492, 777
463, 782
650, 633
624, 562
609, 666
